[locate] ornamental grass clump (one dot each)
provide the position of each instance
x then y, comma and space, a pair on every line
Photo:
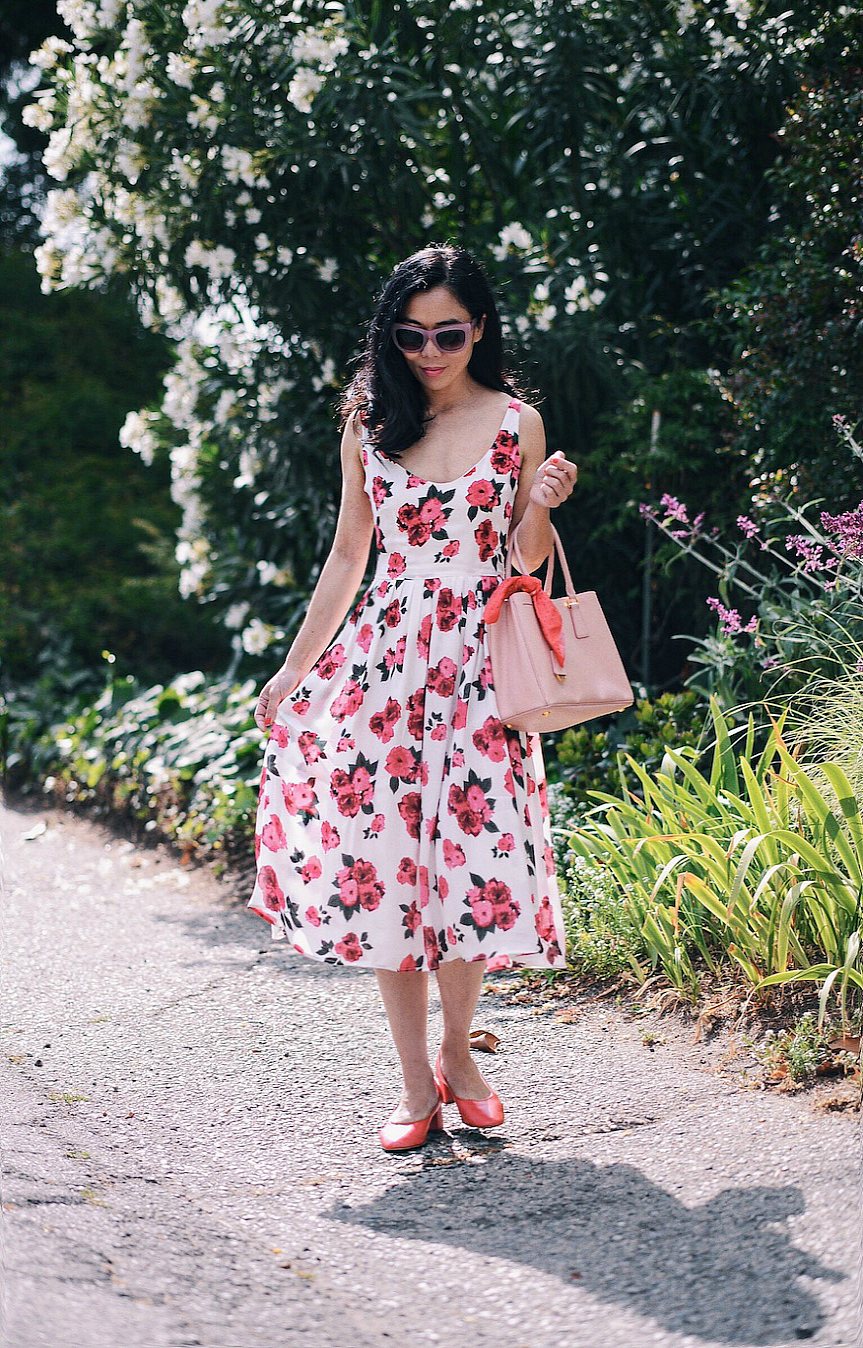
746, 863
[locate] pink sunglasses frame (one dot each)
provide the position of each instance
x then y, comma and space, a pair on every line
434, 333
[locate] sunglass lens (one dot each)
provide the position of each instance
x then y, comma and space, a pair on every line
451, 339
408, 340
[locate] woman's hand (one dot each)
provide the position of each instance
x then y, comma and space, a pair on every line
554, 481
274, 691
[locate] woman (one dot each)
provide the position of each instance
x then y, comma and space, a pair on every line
401, 826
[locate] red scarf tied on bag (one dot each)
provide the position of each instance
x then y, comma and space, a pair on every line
547, 613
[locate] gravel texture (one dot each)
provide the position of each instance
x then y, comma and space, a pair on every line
190, 1153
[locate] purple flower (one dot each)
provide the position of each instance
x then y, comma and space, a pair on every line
731, 621
811, 553
674, 509
848, 529
747, 526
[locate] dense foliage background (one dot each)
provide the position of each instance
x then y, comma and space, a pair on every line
249, 174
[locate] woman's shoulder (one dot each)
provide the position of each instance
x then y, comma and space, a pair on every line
529, 416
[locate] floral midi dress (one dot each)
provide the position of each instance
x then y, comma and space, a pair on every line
400, 823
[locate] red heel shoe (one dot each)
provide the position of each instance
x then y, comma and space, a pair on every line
404, 1136
487, 1113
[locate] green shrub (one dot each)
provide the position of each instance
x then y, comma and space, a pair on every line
586, 758
748, 861
182, 758
602, 938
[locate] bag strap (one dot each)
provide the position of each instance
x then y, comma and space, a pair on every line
513, 550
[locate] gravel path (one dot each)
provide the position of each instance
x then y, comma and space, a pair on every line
190, 1152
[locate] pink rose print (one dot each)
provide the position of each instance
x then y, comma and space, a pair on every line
380, 490
273, 896
416, 713
358, 885
424, 637
330, 663
408, 965
448, 610
483, 494
273, 835
299, 797
424, 887
411, 523
329, 836
402, 764
545, 927
349, 948
313, 917
505, 842
439, 732
432, 514
383, 723
490, 740
309, 746
364, 637
407, 871
441, 677
301, 706
459, 716
396, 565
377, 824
505, 455
353, 790
393, 614
443, 887
414, 481
487, 539
348, 702
412, 920
280, 734
410, 809
470, 805
453, 853
431, 947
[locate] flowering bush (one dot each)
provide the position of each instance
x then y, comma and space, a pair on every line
801, 581
250, 173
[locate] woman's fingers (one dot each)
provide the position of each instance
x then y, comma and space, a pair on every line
559, 476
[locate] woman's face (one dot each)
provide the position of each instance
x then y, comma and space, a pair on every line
435, 309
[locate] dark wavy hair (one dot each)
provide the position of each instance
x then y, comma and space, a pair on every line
391, 402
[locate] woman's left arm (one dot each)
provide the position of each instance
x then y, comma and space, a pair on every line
544, 483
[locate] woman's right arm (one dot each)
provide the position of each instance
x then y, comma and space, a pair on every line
337, 585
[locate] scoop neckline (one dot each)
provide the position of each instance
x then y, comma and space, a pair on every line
430, 482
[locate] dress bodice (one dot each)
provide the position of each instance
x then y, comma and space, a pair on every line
425, 528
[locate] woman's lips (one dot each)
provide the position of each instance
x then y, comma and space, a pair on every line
432, 370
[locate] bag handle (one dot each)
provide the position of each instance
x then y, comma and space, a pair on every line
557, 547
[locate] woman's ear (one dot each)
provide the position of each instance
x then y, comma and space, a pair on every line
479, 329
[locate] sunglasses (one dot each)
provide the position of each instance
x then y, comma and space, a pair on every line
451, 338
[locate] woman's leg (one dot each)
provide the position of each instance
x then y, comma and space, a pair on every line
405, 999
460, 984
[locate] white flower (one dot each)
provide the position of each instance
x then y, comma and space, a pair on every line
181, 70
686, 14
545, 317
513, 236
257, 637
39, 115
136, 434
235, 616
48, 55
740, 10
285, 256
304, 85
327, 270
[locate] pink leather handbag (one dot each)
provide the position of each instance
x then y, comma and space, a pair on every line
554, 661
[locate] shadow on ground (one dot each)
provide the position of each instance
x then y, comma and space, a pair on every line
725, 1271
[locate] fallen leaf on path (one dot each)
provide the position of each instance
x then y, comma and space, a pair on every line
36, 831
484, 1041
846, 1043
